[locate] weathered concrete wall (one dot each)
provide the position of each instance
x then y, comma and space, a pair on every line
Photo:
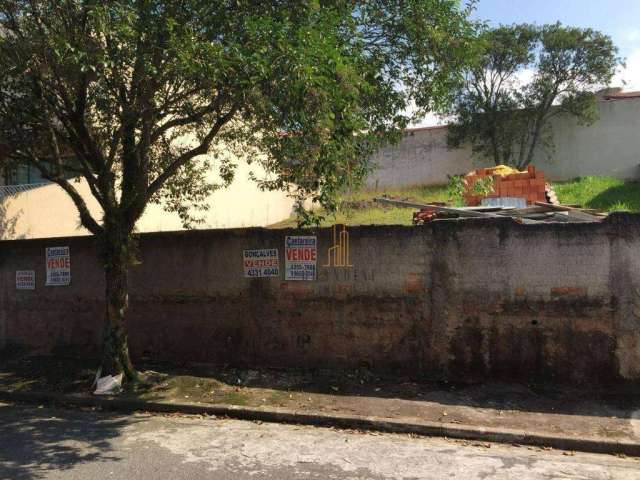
421, 158
461, 300
610, 146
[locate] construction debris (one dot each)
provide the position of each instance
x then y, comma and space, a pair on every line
109, 385
529, 185
540, 212
550, 194
503, 191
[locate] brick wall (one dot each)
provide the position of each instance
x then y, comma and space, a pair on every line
463, 300
529, 185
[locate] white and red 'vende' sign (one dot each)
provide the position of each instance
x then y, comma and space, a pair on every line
25, 280
301, 253
58, 266
261, 263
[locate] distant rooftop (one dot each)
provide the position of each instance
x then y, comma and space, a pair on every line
614, 93
620, 95
420, 129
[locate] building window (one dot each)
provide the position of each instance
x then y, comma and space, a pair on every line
28, 175
22, 175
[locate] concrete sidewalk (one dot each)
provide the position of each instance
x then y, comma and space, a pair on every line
567, 419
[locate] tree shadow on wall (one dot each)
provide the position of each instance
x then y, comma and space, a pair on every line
36, 442
8, 223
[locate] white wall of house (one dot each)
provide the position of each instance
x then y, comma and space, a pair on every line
610, 146
47, 211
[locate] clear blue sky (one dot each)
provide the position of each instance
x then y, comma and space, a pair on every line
618, 18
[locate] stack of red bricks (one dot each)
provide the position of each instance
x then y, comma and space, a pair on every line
529, 185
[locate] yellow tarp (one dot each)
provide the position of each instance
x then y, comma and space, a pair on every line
502, 170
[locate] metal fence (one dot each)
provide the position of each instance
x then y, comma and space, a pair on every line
10, 190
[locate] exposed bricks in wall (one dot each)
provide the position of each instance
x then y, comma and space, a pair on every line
461, 300
574, 291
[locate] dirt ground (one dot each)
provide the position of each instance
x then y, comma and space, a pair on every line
544, 409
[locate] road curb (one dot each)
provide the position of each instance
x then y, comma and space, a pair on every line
280, 415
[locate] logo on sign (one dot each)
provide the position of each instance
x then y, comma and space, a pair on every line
338, 253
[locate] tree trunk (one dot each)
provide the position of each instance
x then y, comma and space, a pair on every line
539, 125
117, 257
532, 146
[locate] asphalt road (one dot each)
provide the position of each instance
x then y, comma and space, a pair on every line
43, 443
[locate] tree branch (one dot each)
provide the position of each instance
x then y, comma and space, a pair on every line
143, 198
181, 121
86, 218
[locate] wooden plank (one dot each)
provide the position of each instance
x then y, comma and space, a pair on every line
437, 208
483, 208
522, 212
557, 208
575, 214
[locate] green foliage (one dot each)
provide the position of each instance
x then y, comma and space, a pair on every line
139, 91
482, 186
457, 188
504, 115
140, 97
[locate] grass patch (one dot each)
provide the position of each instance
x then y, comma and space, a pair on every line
358, 208
604, 193
418, 193
235, 398
360, 216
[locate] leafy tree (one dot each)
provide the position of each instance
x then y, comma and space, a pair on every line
522, 78
138, 96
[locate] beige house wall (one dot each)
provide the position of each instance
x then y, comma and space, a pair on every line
43, 211
47, 211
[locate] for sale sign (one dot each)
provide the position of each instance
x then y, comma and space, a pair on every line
261, 263
25, 280
301, 253
58, 266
